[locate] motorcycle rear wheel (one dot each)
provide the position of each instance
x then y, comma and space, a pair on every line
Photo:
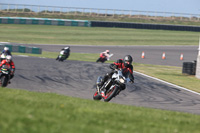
96, 96
110, 94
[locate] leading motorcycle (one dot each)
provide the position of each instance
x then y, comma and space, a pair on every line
4, 75
112, 87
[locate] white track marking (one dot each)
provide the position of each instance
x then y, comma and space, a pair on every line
167, 83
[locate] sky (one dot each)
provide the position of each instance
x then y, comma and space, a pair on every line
177, 6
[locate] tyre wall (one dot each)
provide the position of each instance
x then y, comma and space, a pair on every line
21, 49
86, 23
44, 21
145, 26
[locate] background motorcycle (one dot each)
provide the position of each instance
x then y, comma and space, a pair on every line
103, 58
111, 87
62, 56
4, 75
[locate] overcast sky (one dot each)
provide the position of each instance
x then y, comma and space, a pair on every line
178, 6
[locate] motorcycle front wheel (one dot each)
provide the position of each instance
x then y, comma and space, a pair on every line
111, 93
4, 81
96, 96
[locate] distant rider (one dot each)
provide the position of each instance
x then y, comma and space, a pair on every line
125, 65
5, 52
67, 51
8, 61
104, 56
64, 51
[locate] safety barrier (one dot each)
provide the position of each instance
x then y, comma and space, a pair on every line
189, 68
44, 21
145, 26
86, 23
21, 49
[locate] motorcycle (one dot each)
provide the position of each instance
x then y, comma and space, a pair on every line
104, 58
62, 56
112, 87
4, 75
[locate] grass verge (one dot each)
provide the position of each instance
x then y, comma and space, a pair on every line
33, 112
45, 34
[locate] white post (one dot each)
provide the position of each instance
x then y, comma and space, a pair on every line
198, 63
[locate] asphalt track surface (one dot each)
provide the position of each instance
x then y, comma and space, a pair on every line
153, 54
77, 79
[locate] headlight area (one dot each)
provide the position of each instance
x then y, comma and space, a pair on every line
122, 80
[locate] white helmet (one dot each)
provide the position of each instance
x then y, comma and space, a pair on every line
6, 48
66, 48
8, 58
107, 51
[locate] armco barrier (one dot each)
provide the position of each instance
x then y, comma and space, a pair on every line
144, 26
86, 23
44, 21
21, 49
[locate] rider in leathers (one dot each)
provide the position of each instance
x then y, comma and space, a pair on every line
8, 61
125, 65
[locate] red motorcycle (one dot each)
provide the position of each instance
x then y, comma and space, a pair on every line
112, 87
103, 57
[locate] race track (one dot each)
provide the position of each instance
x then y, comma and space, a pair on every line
153, 54
77, 79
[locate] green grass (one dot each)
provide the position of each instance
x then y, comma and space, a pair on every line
170, 74
44, 34
31, 112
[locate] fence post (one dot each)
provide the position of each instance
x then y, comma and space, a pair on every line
61, 9
23, 9
83, 11
16, 8
46, 9
90, 11
38, 9
8, 7
130, 13
98, 12
198, 63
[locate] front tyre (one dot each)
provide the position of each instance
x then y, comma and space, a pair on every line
4, 81
111, 93
96, 96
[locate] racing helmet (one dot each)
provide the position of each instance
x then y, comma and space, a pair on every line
67, 47
6, 48
8, 58
107, 51
127, 60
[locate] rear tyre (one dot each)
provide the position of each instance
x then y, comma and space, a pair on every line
96, 96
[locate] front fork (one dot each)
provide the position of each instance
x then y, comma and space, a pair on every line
104, 86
